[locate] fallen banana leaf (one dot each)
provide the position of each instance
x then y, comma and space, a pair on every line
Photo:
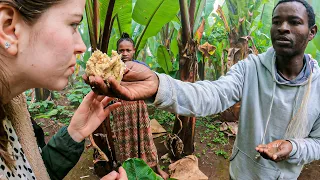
232, 126
187, 168
156, 129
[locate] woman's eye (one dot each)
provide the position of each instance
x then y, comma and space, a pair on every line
75, 25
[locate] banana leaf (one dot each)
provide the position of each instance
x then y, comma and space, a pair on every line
123, 13
164, 59
153, 15
138, 169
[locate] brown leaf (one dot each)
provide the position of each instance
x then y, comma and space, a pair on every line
241, 20
224, 126
156, 127
233, 126
231, 57
199, 32
207, 49
187, 168
223, 17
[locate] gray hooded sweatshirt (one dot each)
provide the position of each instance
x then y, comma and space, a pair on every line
267, 106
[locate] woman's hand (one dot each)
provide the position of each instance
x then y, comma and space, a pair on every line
278, 150
122, 175
138, 83
90, 114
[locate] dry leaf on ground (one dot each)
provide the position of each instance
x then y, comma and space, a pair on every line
187, 168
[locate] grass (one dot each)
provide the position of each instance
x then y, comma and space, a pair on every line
211, 137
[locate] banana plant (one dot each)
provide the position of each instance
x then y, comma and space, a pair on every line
100, 20
106, 20
164, 49
239, 19
192, 27
175, 49
153, 17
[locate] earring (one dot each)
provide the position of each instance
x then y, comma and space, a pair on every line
7, 45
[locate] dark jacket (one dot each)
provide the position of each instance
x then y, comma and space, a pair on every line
61, 153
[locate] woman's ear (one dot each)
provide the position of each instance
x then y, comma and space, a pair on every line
9, 18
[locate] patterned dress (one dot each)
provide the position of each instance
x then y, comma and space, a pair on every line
21, 167
131, 126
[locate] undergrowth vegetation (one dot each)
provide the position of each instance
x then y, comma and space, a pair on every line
63, 105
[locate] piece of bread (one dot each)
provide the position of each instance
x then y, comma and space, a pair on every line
100, 64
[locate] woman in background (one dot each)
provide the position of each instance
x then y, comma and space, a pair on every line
131, 121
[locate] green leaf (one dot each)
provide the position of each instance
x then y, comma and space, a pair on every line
112, 44
153, 45
318, 56
138, 169
153, 15
316, 39
209, 8
89, 15
174, 47
81, 63
47, 115
265, 17
123, 12
103, 8
164, 59
311, 49
176, 25
198, 14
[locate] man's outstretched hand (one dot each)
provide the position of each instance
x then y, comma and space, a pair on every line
138, 83
278, 150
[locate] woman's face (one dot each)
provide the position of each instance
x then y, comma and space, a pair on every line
127, 50
47, 50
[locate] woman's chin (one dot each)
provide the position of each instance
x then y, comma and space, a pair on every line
58, 86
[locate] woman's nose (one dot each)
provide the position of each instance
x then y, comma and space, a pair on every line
80, 47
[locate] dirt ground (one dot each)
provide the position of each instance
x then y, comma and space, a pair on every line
212, 165
216, 167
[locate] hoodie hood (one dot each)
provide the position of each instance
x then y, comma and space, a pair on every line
268, 60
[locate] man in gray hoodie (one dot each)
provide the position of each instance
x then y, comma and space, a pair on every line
279, 124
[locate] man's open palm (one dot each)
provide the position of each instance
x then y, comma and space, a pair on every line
278, 150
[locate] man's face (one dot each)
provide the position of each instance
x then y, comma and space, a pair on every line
290, 33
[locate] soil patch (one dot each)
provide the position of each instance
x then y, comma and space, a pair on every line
211, 147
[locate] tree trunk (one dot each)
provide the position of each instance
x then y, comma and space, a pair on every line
184, 126
188, 73
106, 144
43, 94
202, 66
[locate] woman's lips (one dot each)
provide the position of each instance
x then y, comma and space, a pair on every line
72, 69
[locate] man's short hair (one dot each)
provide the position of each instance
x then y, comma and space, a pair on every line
311, 15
